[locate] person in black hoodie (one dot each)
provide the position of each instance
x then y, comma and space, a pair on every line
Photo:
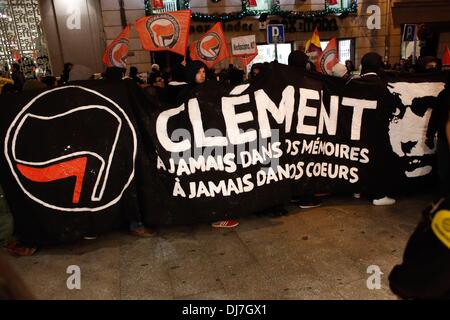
425, 270
372, 71
300, 61
196, 75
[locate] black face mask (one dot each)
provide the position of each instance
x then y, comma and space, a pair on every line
432, 70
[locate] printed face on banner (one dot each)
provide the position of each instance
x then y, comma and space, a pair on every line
209, 47
119, 54
164, 30
77, 157
409, 125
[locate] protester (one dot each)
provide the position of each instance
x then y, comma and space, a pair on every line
11, 243
300, 60
196, 76
8, 88
255, 70
134, 75
236, 76
156, 87
425, 270
18, 77
65, 75
350, 66
114, 73
49, 81
154, 71
381, 189
33, 85
428, 64
442, 149
12, 286
4, 80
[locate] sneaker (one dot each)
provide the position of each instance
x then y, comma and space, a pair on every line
143, 232
90, 237
386, 201
225, 224
309, 203
16, 249
357, 195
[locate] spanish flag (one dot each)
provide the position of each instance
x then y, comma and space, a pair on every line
116, 53
211, 48
313, 44
168, 31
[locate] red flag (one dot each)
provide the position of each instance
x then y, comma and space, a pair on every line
245, 60
332, 2
446, 57
328, 58
166, 31
157, 4
116, 53
211, 48
70, 168
252, 3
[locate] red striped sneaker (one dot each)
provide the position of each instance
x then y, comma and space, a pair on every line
225, 224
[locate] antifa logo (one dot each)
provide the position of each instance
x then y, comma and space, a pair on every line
118, 54
327, 62
164, 30
72, 149
209, 47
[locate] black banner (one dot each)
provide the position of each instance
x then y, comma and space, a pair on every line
93, 155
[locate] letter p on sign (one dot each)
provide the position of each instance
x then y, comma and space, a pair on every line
275, 33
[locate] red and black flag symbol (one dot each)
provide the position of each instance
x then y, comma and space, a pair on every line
168, 31
211, 48
116, 53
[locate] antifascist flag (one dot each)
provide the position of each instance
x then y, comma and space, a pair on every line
328, 58
157, 4
252, 3
211, 48
332, 2
446, 57
313, 44
245, 60
116, 53
167, 31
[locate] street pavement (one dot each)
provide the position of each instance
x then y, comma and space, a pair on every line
320, 253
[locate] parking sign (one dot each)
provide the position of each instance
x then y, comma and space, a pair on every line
275, 33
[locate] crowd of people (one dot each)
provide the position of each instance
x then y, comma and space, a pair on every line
173, 85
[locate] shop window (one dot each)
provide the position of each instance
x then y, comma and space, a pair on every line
21, 37
343, 4
266, 53
262, 5
169, 5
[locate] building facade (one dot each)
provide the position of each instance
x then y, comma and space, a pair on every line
77, 31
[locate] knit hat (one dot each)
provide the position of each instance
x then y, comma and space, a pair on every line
298, 59
371, 62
